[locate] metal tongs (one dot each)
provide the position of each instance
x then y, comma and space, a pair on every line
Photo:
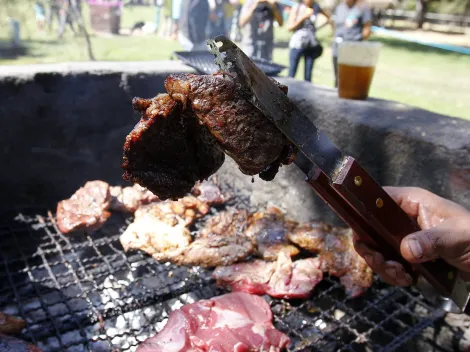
338, 179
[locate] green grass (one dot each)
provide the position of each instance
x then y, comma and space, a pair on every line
409, 73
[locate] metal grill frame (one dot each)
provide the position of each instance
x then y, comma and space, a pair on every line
116, 289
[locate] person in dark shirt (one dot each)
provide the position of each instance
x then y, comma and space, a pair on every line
304, 42
256, 22
352, 22
192, 24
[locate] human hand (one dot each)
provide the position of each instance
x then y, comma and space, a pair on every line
445, 234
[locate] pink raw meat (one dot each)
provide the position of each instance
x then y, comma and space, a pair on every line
235, 322
281, 279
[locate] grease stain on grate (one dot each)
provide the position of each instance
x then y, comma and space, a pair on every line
81, 292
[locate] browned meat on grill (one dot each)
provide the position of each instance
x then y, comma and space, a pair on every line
188, 208
340, 259
269, 229
209, 192
129, 199
168, 150
86, 209
12, 344
242, 131
310, 236
235, 322
230, 222
281, 279
159, 236
337, 254
214, 251
11, 325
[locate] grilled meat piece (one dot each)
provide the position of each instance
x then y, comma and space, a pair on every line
269, 229
242, 131
86, 209
281, 279
228, 323
188, 208
168, 150
209, 192
337, 254
231, 222
214, 251
160, 237
12, 344
129, 199
11, 325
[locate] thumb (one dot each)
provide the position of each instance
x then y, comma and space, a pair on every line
450, 240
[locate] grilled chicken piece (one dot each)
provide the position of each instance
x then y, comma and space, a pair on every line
232, 322
168, 150
11, 325
337, 254
12, 344
231, 222
129, 199
269, 229
209, 192
242, 131
87, 208
281, 279
214, 251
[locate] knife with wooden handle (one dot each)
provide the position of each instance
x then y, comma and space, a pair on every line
338, 179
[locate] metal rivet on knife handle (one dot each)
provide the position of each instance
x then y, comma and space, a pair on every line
379, 203
358, 180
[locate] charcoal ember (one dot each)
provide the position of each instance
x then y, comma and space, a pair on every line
168, 151
242, 131
86, 209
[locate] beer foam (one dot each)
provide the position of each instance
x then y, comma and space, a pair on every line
362, 54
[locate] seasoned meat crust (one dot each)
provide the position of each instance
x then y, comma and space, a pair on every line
242, 131
168, 150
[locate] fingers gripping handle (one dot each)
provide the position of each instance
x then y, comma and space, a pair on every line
390, 223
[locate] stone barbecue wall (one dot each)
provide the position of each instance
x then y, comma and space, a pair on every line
65, 124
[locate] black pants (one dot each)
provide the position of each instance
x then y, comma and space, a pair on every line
335, 67
309, 55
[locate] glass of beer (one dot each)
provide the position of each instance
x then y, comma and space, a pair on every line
356, 66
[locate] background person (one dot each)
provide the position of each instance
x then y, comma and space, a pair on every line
256, 21
193, 23
304, 43
445, 234
352, 21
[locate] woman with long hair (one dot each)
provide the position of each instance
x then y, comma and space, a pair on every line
304, 43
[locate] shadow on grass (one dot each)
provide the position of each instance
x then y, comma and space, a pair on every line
414, 47
10, 52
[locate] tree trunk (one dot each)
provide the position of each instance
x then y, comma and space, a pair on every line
421, 9
77, 17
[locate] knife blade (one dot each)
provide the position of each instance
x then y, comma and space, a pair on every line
338, 179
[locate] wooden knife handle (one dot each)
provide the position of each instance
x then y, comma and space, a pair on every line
388, 220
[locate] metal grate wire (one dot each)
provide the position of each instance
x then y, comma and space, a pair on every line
81, 292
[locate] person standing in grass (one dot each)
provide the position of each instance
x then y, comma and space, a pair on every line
303, 42
193, 23
352, 21
40, 11
158, 13
257, 25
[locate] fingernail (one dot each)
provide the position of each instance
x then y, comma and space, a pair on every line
392, 272
415, 248
369, 259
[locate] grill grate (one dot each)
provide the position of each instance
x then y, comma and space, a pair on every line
81, 292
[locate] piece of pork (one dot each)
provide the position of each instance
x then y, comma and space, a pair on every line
169, 150
269, 229
337, 254
235, 322
11, 325
280, 279
86, 209
129, 199
231, 222
242, 131
209, 192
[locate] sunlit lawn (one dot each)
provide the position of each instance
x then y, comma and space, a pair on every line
410, 73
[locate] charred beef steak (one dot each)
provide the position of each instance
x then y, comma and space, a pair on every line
86, 209
232, 322
281, 279
168, 150
242, 131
